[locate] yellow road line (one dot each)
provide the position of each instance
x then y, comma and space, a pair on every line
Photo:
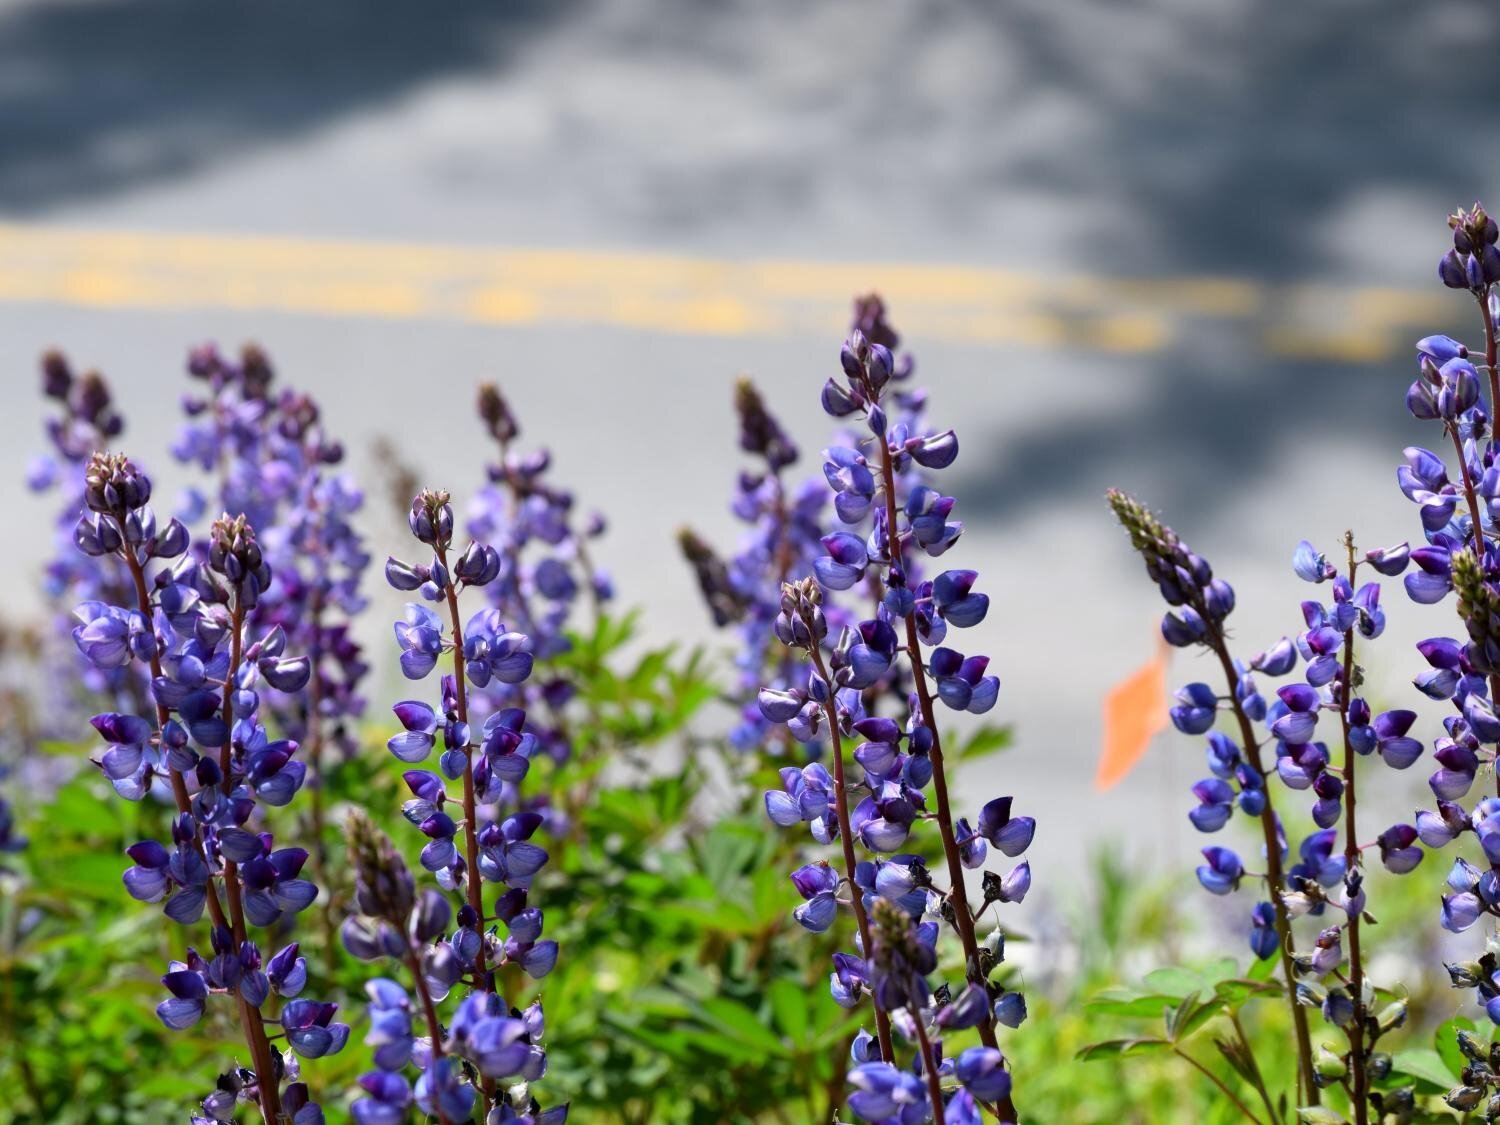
116, 269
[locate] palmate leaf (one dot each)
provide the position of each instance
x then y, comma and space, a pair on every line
1197, 1016
1236, 991
1174, 982
1129, 1002
741, 1024
985, 740
1427, 1066
1120, 1048
1445, 1042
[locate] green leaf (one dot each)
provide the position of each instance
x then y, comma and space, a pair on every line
1198, 1016
1319, 1115
985, 740
1445, 1041
1119, 1048
1222, 969
1129, 1002
1175, 983
1236, 992
1175, 1016
789, 1004
741, 1024
1425, 1065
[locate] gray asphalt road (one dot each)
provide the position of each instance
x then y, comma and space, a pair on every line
1283, 146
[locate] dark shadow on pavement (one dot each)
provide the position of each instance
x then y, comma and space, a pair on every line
100, 96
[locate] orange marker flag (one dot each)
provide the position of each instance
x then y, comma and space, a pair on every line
1135, 712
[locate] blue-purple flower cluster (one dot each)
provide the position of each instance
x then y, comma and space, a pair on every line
1199, 602
86, 420
782, 538
273, 459
1460, 555
545, 568
187, 627
1458, 519
475, 845
888, 514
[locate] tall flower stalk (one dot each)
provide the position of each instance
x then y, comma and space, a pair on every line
878, 486
1329, 876
1461, 556
270, 453
545, 567
782, 538
494, 848
86, 418
186, 623
1200, 603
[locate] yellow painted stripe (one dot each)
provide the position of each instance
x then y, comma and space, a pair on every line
139, 270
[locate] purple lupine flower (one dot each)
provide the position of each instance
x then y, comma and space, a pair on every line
1198, 604
784, 536
531, 555
274, 460
487, 749
186, 631
889, 517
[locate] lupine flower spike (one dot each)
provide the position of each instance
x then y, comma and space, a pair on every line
782, 538
1460, 555
1198, 605
187, 624
274, 459
545, 565
888, 515
486, 1037
1333, 981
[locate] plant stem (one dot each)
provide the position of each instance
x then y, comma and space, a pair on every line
250, 1019
1359, 1095
929, 1067
260, 1047
429, 1011
1469, 494
846, 838
1260, 1081
1217, 1081
1491, 350
1308, 1088
473, 888
957, 893
1473, 502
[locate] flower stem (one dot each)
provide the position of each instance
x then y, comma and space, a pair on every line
1308, 1088
474, 890
929, 1068
1491, 351
846, 838
1473, 500
957, 893
429, 1011
250, 1021
255, 1030
1359, 1094
1217, 1081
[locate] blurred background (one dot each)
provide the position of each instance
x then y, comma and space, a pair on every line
1175, 247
